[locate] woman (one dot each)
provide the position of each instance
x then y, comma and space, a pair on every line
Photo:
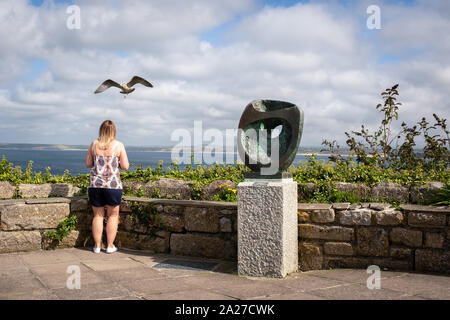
105, 156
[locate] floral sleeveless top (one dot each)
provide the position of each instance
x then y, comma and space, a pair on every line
106, 172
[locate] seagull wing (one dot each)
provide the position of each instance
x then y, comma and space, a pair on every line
140, 80
106, 84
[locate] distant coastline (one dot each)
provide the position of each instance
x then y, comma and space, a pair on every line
60, 147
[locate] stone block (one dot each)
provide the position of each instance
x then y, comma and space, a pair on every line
303, 216
79, 204
341, 206
7, 190
322, 215
228, 212
84, 219
47, 190
127, 223
132, 186
390, 191
173, 209
434, 240
379, 206
168, 188
33, 216
388, 218
158, 243
201, 219
174, 221
425, 209
392, 264
400, 253
419, 219
338, 248
410, 238
356, 217
311, 231
125, 207
310, 256
267, 228
308, 207
426, 192
360, 189
216, 187
35, 190
13, 241
225, 225
346, 262
432, 260
69, 241
372, 242
201, 245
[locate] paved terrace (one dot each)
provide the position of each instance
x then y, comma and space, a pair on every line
138, 275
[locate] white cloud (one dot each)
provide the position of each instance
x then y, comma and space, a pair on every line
319, 56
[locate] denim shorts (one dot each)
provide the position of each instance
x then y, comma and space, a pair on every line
99, 197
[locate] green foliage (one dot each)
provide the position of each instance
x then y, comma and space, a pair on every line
378, 156
63, 229
384, 149
196, 190
341, 196
227, 194
443, 197
146, 215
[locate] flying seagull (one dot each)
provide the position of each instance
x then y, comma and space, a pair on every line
126, 88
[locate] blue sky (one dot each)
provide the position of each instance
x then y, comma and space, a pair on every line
208, 59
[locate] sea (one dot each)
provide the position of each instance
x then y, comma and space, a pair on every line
74, 160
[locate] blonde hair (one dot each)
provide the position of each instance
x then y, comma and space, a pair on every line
106, 135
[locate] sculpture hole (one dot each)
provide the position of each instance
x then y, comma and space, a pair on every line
276, 131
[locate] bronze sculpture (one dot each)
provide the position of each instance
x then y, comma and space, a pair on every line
256, 145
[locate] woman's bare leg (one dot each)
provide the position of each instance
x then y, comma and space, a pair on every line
112, 224
97, 225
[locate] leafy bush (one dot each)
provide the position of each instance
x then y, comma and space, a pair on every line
226, 193
384, 149
443, 197
63, 229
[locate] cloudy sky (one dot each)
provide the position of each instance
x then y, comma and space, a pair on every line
208, 59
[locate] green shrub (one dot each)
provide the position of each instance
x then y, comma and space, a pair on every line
63, 228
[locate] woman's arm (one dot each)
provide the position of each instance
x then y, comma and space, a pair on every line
89, 158
123, 158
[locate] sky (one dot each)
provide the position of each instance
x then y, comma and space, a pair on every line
208, 59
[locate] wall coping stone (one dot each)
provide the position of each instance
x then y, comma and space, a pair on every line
47, 200
341, 205
313, 206
230, 205
420, 208
188, 203
10, 202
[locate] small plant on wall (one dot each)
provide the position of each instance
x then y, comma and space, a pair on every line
146, 217
63, 229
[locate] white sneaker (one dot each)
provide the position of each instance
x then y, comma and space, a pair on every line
111, 250
96, 250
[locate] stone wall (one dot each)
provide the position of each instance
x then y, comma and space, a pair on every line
197, 228
358, 235
330, 235
181, 190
